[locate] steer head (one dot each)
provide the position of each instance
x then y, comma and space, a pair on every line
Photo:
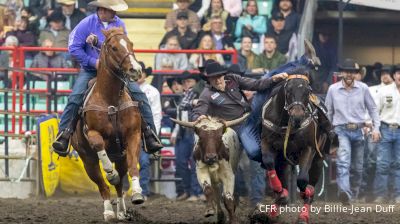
210, 147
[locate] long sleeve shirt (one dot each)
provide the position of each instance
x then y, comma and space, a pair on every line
350, 106
388, 104
259, 24
234, 7
153, 95
231, 103
83, 52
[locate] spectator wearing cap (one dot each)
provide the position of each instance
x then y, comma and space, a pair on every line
270, 58
221, 38
388, 150
198, 60
184, 139
184, 33
281, 35
180, 61
292, 18
72, 15
183, 6
347, 102
55, 31
153, 95
250, 23
367, 187
246, 56
216, 9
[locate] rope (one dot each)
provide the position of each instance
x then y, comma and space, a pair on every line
286, 142
315, 139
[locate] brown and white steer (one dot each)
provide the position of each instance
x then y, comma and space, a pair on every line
217, 155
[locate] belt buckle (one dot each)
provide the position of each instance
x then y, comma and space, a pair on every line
393, 126
351, 126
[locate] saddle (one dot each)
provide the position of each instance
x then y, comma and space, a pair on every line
112, 112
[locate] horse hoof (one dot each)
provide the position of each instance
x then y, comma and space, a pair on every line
209, 212
113, 177
121, 216
108, 215
137, 198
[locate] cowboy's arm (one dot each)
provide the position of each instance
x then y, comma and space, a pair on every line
253, 84
329, 105
76, 46
372, 110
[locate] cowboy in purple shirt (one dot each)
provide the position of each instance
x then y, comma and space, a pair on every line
84, 45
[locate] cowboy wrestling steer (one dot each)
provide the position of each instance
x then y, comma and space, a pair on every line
216, 154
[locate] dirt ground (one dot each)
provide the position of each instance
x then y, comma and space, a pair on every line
74, 209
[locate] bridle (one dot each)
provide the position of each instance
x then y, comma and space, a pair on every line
116, 68
296, 76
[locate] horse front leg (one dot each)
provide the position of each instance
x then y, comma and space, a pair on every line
306, 190
281, 194
133, 153
92, 168
96, 142
268, 158
122, 168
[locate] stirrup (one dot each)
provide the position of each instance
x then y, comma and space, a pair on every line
151, 142
61, 144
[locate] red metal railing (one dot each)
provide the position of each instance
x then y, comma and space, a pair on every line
18, 77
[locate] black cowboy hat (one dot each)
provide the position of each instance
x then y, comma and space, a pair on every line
349, 65
395, 69
385, 69
235, 69
213, 69
187, 75
148, 70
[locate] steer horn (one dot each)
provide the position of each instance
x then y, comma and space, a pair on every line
184, 123
236, 121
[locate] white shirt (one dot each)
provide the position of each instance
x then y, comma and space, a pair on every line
153, 95
374, 90
389, 104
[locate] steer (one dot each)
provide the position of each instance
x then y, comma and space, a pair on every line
216, 154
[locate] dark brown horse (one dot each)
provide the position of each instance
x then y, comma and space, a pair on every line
111, 123
291, 135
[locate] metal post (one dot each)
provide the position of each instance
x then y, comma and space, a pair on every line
340, 31
54, 91
28, 100
6, 123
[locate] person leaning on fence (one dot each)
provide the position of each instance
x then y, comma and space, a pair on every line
348, 101
84, 43
388, 149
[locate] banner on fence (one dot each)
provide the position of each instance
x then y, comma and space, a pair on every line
49, 163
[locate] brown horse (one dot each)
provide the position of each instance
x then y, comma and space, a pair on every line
111, 123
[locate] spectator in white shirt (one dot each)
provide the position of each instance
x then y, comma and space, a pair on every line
388, 151
155, 102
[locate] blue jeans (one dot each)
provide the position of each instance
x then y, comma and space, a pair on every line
369, 167
144, 172
185, 165
250, 132
388, 156
350, 160
75, 100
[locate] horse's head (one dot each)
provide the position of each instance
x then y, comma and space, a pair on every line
119, 54
297, 94
210, 131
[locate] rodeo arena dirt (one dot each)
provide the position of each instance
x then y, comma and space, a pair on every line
200, 111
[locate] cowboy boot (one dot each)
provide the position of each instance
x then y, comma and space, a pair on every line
151, 142
61, 144
310, 53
